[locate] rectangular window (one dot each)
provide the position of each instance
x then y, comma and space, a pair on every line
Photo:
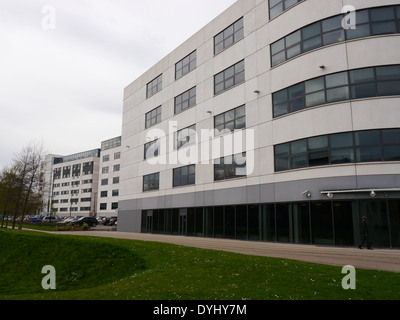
114, 205
154, 86
230, 167
184, 176
276, 7
115, 193
185, 65
104, 194
229, 77
229, 36
105, 170
115, 180
116, 167
103, 206
106, 158
185, 100
153, 117
117, 155
151, 182
231, 120
152, 149
104, 182
185, 137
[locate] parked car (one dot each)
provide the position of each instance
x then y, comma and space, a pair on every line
112, 221
91, 221
51, 219
34, 219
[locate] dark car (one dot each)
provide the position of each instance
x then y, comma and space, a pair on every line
91, 221
112, 221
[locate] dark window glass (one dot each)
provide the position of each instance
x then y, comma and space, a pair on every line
184, 176
229, 36
229, 77
185, 100
154, 86
185, 137
347, 147
329, 31
230, 167
278, 6
153, 117
231, 120
186, 65
152, 149
151, 182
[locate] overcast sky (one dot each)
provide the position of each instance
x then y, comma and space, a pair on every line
64, 64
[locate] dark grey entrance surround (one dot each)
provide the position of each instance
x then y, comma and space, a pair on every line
129, 216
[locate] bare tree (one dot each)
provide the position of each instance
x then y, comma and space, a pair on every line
23, 186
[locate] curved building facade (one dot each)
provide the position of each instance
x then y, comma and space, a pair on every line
278, 121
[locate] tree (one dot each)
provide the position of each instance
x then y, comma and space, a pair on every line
22, 186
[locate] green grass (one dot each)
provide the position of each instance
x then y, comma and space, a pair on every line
90, 268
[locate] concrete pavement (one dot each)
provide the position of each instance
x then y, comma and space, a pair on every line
377, 259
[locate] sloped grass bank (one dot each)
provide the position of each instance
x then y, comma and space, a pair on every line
99, 268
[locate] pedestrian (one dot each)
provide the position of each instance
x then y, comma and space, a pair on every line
364, 234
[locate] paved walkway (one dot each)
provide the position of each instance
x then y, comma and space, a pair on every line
378, 259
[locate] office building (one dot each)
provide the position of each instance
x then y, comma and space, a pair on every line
277, 121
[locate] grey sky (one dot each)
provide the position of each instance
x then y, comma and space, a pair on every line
64, 86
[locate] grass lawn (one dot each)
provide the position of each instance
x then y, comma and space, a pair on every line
90, 268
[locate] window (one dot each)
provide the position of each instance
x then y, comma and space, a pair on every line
106, 158
115, 193
104, 182
152, 149
151, 182
231, 120
229, 77
104, 194
370, 22
105, 170
154, 86
276, 7
229, 36
230, 167
184, 176
185, 65
117, 155
103, 206
153, 117
115, 180
346, 147
341, 86
114, 205
185, 137
116, 167
185, 100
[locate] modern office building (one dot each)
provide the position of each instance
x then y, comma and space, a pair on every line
74, 184
109, 176
277, 121
86, 183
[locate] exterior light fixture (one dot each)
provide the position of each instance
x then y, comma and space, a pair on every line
322, 67
329, 195
373, 194
306, 193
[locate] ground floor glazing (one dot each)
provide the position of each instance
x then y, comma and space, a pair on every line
334, 222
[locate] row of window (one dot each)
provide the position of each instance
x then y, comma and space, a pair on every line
370, 22
114, 193
65, 192
224, 80
229, 167
222, 40
116, 168
104, 182
117, 155
347, 147
341, 86
228, 121
114, 206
